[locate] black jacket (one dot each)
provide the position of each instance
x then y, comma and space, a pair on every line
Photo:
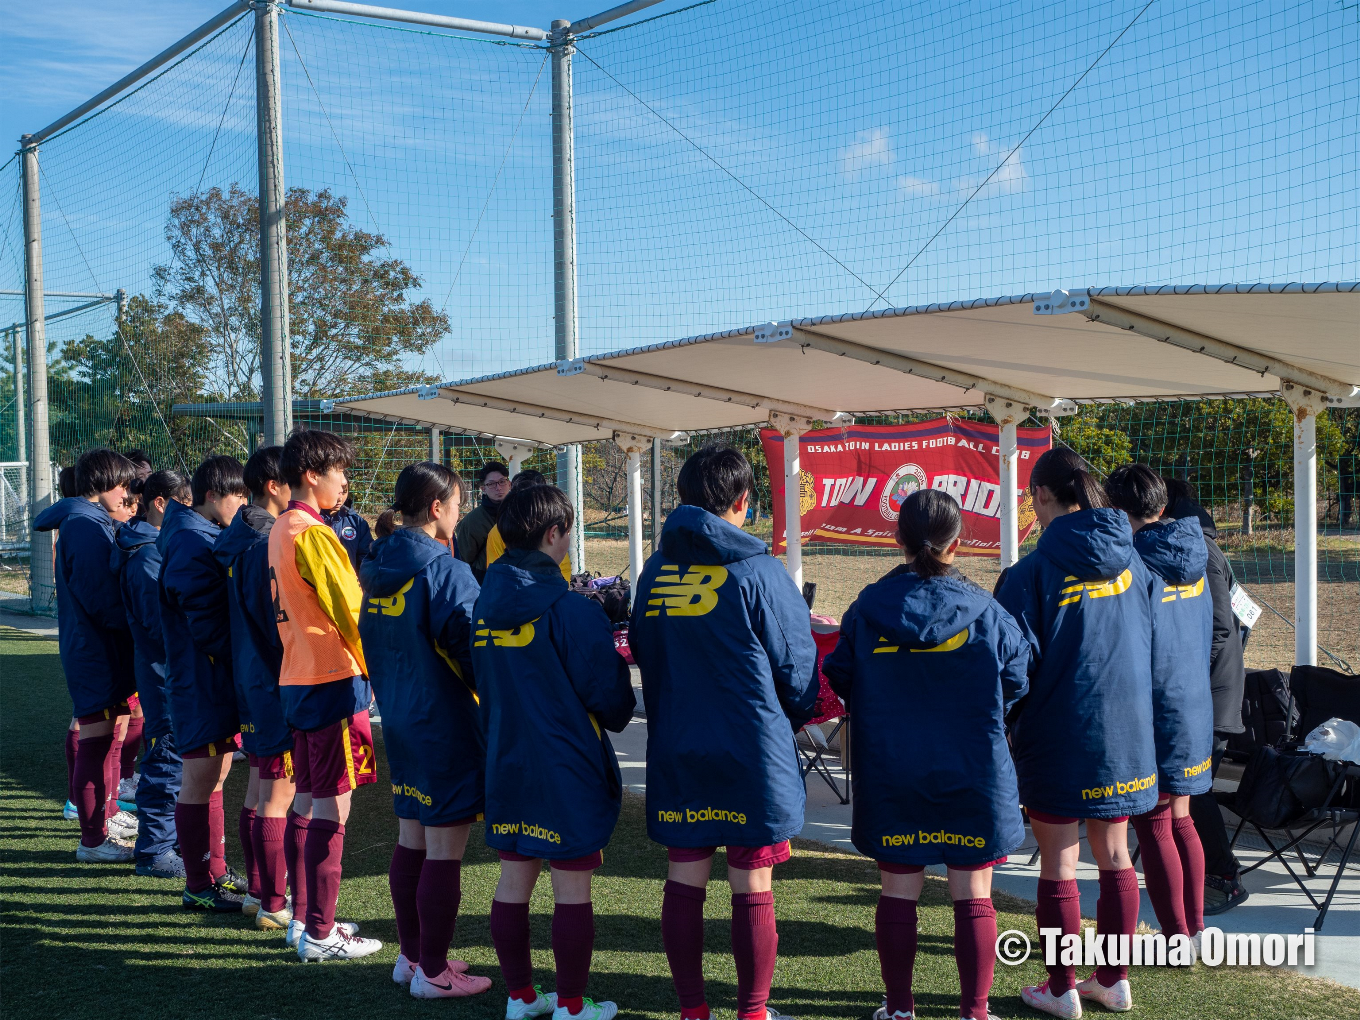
470, 538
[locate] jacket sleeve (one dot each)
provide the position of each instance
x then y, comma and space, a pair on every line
257, 601
470, 540
86, 549
598, 674
1012, 653
323, 563
451, 618
839, 666
784, 628
143, 600
363, 541
199, 587
1018, 596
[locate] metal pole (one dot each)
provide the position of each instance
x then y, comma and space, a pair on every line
634, 520
437, 445
656, 495
20, 428
42, 583
564, 261
419, 18
1305, 536
1010, 510
793, 511
276, 377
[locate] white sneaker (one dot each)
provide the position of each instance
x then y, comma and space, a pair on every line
123, 825
1067, 1005
127, 788
451, 984
518, 1009
69, 812
1117, 998
882, 1014
250, 906
590, 1010
338, 945
773, 1014
107, 852
297, 925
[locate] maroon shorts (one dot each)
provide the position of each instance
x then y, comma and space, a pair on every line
916, 869
1046, 818
213, 748
273, 766
743, 858
587, 863
335, 759
105, 714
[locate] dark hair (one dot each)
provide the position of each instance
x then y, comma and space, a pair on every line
488, 468
530, 512
138, 457
418, 486
265, 465
66, 482
1178, 489
164, 485
715, 478
314, 450
101, 470
220, 474
528, 477
926, 525
1062, 472
1137, 490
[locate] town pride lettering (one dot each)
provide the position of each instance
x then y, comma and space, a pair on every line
854, 480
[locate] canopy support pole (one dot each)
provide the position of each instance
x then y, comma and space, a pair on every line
632, 447
515, 455
437, 445
1305, 404
656, 495
1007, 413
792, 428
42, 583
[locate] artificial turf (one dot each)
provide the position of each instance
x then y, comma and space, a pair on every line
96, 941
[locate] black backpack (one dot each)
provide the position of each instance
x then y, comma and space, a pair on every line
1280, 785
1265, 707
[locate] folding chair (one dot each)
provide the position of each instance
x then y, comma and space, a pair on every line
816, 747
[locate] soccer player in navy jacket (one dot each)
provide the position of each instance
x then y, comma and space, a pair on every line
724, 642
1083, 740
550, 684
1182, 701
928, 666
93, 636
196, 627
417, 635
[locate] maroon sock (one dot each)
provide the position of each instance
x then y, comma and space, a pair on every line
111, 766
245, 822
266, 839
439, 894
510, 936
1059, 906
682, 933
1116, 914
195, 836
403, 879
1162, 868
217, 838
573, 944
89, 787
132, 743
895, 933
975, 954
1191, 852
321, 863
294, 843
72, 742
755, 942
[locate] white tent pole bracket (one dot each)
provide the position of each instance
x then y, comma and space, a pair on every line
514, 451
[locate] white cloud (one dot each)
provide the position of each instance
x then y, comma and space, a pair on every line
870, 149
918, 187
1007, 180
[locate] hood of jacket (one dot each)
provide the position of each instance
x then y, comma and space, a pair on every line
394, 560
181, 519
249, 527
132, 536
693, 535
1173, 550
921, 614
1091, 545
520, 586
72, 506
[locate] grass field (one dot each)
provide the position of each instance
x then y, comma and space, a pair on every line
84, 941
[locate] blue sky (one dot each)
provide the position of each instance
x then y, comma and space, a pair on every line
738, 162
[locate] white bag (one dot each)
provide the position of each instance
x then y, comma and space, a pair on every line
1336, 739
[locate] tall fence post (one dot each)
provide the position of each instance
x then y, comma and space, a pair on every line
20, 410
656, 495
564, 261
41, 583
276, 376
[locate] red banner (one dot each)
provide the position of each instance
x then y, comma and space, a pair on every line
854, 480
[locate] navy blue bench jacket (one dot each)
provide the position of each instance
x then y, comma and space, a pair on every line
1083, 741
928, 671
729, 674
138, 563
416, 627
196, 628
1182, 637
353, 532
550, 683
92, 629
242, 549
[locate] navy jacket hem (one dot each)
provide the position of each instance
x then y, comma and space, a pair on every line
962, 861
747, 843
564, 854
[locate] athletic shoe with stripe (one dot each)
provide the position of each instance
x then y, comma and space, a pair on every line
127, 793
233, 882
590, 1010
541, 1005
298, 925
123, 825
1067, 1005
107, 852
250, 906
451, 984
882, 1014
213, 899
405, 970
70, 813
276, 920
338, 945
1117, 998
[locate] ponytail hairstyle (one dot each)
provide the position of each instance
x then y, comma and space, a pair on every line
167, 485
418, 486
927, 525
1137, 490
1062, 472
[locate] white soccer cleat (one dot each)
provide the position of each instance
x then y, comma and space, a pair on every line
1067, 1005
107, 852
882, 1014
123, 825
1117, 998
127, 788
250, 906
773, 1014
590, 1010
277, 920
451, 984
338, 945
297, 925
518, 1009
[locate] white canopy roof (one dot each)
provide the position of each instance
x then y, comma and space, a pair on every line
1135, 343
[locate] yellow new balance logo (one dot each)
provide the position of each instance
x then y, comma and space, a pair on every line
1185, 591
391, 605
517, 637
953, 644
694, 594
1094, 589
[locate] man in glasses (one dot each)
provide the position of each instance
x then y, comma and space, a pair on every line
470, 538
